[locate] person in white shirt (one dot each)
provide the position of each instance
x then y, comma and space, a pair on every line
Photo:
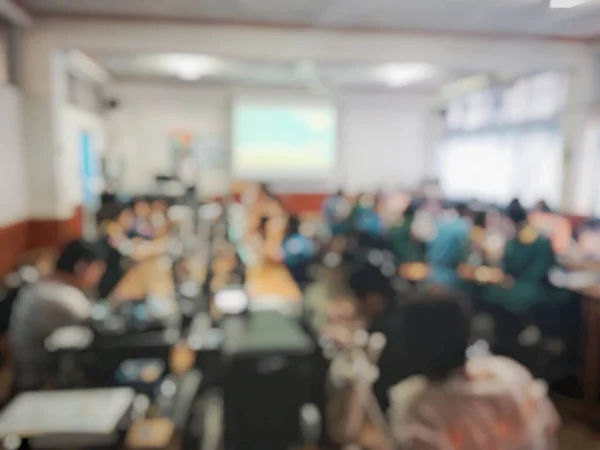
49, 304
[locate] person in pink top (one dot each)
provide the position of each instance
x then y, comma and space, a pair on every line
493, 404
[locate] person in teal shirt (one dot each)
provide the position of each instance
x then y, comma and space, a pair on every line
365, 216
298, 251
336, 210
449, 248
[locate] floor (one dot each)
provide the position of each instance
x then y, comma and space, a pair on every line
574, 436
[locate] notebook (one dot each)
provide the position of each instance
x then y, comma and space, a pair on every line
49, 419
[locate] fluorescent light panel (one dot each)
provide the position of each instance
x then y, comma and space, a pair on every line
404, 74
189, 67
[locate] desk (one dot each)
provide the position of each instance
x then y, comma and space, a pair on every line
271, 279
591, 344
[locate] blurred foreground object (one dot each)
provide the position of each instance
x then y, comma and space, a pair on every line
494, 403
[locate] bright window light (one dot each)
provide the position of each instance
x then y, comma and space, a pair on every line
403, 74
563, 4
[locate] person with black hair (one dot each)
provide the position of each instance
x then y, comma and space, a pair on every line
158, 217
142, 227
297, 251
49, 304
477, 251
426, 335
406, 247
542, 206
372, 283
491, 402
336, 210
527, 260
365, 217
449, 248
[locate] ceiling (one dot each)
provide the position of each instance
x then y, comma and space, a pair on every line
314, 76
504, 17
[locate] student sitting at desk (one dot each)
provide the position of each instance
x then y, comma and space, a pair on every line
406, 247
49, 304
411, 347
335, 211
449, 248
365, 216
528, 258
297, 251
492, 403
158, 217
378, 304
142, 226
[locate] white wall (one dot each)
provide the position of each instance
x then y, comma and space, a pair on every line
13, 192
270, 43
4, 78
384, 139
138, 131
52, 136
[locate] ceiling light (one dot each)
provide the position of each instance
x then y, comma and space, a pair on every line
403, 74
562, 4
189, 67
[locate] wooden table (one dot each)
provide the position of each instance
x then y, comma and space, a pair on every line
271, 279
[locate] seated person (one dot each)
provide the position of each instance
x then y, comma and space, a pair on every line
406, 247
49, 304
445, 401
528, 258
122, 235
387, 313
412, 347
297, 251
478, 239
542, 206
335, 212
142, 226
365, 216
119, 224
493, 402
267, 206
449, 248
158, 217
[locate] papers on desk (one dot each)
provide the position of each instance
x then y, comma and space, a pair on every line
61, 418
275, 303
575, 280
74, 337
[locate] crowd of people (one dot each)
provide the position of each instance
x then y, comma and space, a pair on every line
419, 282
128, 231
466, 270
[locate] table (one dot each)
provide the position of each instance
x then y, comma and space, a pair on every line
590, 370
271, 279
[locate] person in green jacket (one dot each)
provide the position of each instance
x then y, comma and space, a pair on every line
528, 258
406, 247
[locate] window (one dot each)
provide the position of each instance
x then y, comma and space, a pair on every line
505, 142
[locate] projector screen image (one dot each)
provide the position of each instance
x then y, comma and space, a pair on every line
283, 141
